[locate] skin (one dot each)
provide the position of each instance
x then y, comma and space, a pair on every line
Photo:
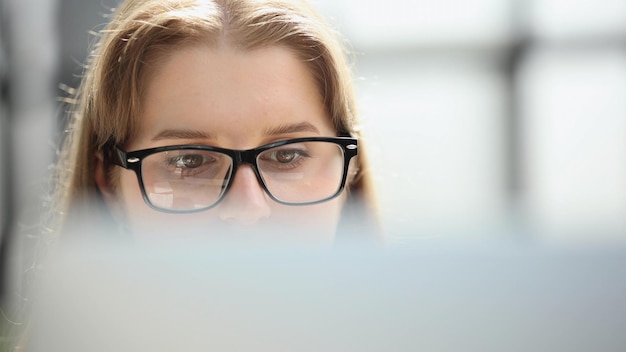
234, 99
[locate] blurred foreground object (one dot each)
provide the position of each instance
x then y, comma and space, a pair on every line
5, 224
438, 297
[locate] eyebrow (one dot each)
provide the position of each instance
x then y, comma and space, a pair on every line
272, 131
181, 134
291, 128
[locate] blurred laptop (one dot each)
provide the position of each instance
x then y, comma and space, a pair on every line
430, 296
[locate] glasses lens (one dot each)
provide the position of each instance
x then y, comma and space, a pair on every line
186, 179
302, 172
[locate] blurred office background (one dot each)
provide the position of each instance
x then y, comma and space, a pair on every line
486, 118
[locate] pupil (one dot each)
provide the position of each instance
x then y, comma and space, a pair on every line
192, 161
284, 156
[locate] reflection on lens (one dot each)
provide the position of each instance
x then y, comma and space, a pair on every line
185, 179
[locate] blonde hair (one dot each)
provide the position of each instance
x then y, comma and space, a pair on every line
143, 31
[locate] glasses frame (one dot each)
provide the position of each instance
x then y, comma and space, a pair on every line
133, 160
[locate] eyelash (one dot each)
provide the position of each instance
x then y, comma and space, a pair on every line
177, 163
292, 164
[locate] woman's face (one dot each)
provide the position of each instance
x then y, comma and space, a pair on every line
232, 99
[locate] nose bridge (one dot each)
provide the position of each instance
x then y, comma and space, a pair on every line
245, 201
242, 157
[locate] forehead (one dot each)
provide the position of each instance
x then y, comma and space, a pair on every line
233, 95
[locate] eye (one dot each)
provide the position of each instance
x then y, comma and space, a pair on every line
285, 156
189, 161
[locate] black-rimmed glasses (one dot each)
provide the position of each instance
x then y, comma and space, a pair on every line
190, 178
